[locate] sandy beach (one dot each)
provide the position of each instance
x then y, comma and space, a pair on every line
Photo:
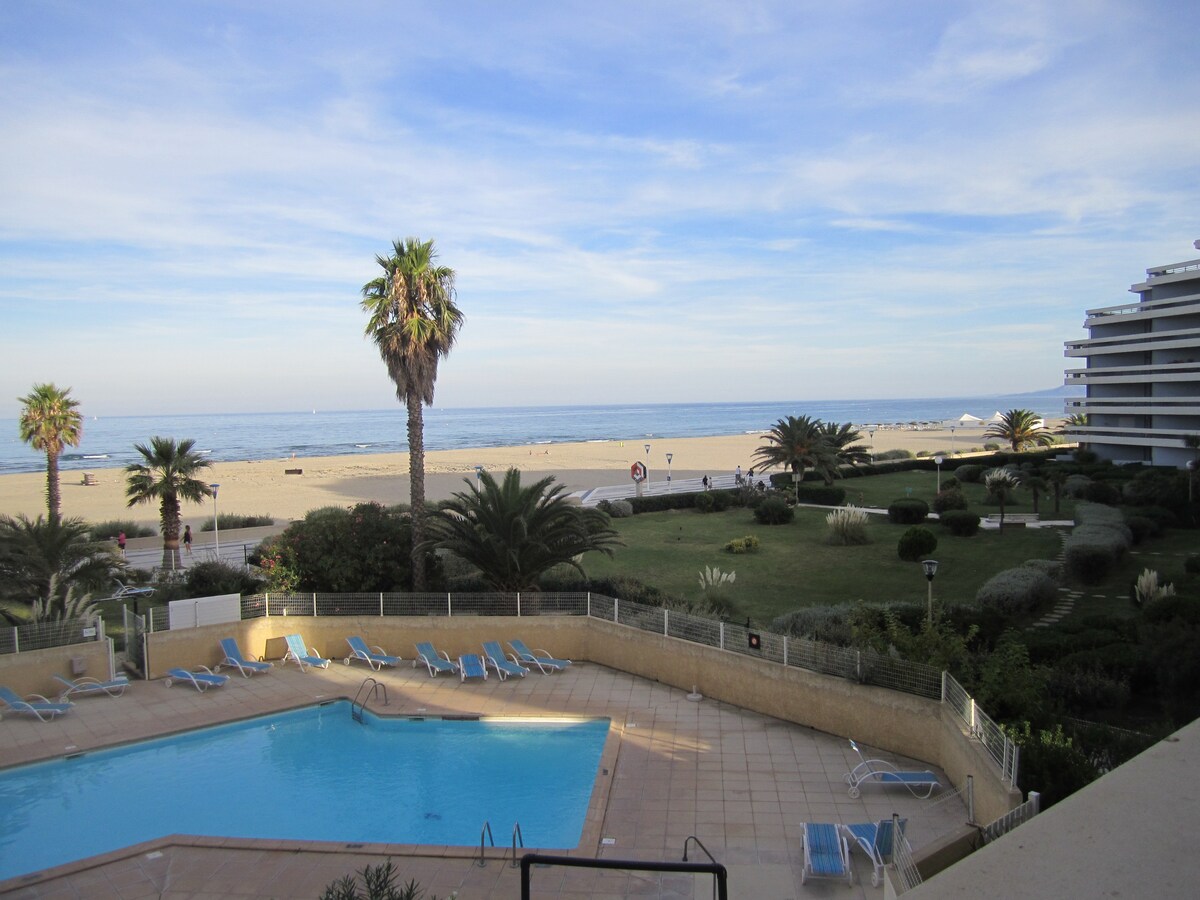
262, 487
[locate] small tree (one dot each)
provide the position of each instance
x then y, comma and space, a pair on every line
1000, 485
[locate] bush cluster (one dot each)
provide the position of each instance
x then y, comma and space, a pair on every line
916, 544
229, 521
747, 544
949, 498
960, 522
1016, 592
774, 511
704, 503
662, 502
908, 511
894, 454
970, 473
620, 509
1097, 543
108, 531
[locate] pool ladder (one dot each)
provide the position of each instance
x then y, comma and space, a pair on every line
357, 706
518, 839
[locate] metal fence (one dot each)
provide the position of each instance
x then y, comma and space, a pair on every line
1013, 818
41, 635
980, 726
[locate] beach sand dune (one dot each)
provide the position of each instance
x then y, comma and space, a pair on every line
262, 487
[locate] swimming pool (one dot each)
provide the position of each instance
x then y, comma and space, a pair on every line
309, 774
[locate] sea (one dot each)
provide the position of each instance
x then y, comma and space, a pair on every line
108, 442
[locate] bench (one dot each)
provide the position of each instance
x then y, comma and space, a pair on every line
1013, 518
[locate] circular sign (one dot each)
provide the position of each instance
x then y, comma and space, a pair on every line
638, 471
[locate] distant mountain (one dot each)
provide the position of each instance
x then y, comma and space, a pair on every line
1063, 390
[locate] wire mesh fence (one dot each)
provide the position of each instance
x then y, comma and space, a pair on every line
42, 635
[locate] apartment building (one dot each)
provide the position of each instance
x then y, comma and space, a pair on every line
1142, 371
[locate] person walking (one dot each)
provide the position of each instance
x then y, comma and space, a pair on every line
737, 476
187, 539
704, 481
121, 544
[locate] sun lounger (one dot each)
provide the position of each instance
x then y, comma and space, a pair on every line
33, 705
470, 665
202, 679
436, 661
875, 839
301, 655
234, 659
372, 656
494, 654
880, 771
545, 662
826, 853
126, 591
90, 687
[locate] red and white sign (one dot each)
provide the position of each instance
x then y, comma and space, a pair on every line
638, 471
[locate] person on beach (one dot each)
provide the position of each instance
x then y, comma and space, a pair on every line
121, 544
187, 539
704, 481
737, 476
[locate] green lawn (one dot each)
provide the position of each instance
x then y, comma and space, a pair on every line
795, 568
880, 490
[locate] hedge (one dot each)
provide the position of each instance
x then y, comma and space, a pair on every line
908, 511
1018, 591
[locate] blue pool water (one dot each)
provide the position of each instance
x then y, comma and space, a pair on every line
310, 774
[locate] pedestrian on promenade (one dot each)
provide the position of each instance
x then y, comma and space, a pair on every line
187, 539
121, 544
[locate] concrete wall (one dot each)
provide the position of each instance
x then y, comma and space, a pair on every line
900, 723
32, 672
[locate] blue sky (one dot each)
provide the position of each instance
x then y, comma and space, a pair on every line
668, 201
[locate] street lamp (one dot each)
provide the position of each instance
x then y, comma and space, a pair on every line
951, 440
216, 521
930, 566
670, 456
647, 446
871, 432
478, 472
939, 459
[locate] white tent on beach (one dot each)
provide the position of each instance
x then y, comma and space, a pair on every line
966, 420
995, 419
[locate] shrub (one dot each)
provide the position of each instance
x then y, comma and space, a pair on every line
916, 544
1191, 565
1101, 492
1052, 568
213, 578
825, 496
960, 522
1075, 485
1149, 589
949, 498
991, 445
1088, 563
715, 586
721, 500
774, 511
620, 509
704, 502
1141, 528
847, 527
1087, 689
894, 454
229, 521
747, 544
969, 473
908, 511
1016, 592
949, 483
662, 502
108, 531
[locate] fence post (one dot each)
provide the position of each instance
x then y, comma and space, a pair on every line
518, 604
721, 642
267, 605
970, 799
616, 614
381, 604
1016, 758
589, 604
785, 649
943, 685
16, 640
314, 604
666, 622
449, 607
1035, 801
971, 716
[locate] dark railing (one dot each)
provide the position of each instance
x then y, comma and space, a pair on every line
529, 860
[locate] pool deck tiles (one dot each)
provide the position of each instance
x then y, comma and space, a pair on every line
741, 782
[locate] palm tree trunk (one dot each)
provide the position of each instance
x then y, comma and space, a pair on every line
416, 480
169, 520
53, 493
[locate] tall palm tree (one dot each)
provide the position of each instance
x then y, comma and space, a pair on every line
1000, 484
167, 474
1074, 420
414, 322
797, 443
1021, 428
843, 438
513, 533
43, 561
50, 421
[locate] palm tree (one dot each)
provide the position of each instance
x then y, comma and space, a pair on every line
167, 475
50, 421
843, 439
1036, 485
414, 323
1074, 420
513, 533
47, 563
798, 443
1021, 428
1000, 484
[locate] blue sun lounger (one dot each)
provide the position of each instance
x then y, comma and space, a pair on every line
234, 659
880, 771
470, 665
301, 655
826, 853
494, 654
90, 687
876, 840
372, 656
545, 662
436, 661
202, 679
33, 705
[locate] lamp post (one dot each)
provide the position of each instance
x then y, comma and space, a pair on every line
938, 460
1191, 469
478, 472
951, 440
871, 432
930, 566
670, 456
647, 446
216, 521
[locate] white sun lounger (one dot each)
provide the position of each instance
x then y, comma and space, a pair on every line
877, 841
826, 853
90, 687
880, 771
494, 654
375, 657
436, 661
202, 679
302, 656
539, 657
234, 659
